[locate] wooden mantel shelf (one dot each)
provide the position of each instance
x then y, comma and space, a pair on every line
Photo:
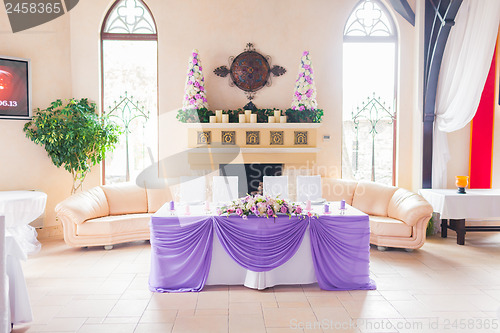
252, 125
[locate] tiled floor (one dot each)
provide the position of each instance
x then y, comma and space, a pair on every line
443, 287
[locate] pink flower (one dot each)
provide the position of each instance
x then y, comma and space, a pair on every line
197, 84
204, 99
302, 108
270, 211
190, 82
284, 209
244, 217
307, 67
195, 61
191, 101
197, 96
299, 97
195, 54
201, 68
239, 211
298, 210
305, 53
309, 214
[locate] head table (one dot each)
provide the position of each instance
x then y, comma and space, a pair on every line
331, 249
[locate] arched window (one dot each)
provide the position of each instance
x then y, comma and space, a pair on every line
369, 92
130, 87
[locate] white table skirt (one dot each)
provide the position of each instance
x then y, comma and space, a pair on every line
475, 204
298, 270
21, 208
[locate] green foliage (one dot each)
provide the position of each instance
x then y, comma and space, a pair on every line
304, 116
203, 115
430, 228
73, 135
192, 115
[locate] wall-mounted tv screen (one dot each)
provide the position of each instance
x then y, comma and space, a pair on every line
15, 88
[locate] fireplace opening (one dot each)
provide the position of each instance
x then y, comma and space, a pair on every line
250, 176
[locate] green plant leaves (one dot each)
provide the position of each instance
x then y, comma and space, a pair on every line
73, 134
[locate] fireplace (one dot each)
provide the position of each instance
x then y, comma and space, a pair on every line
250, 176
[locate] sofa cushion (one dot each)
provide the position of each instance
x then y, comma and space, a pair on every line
84, 205
386, 226
114, 225
157, 197
373, 198
125, 198
338, 189
409, 207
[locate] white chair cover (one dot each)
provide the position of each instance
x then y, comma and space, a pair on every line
276, 186
224, 189
308, 188
193, 189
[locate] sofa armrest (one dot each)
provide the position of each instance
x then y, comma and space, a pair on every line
83, 206
409, 207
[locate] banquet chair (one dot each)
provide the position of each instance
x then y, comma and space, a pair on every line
308, 188
193, 189
276, 186
224, 188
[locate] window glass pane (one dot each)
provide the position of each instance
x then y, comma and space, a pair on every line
368, 111
368, 19
130, 69
130, 17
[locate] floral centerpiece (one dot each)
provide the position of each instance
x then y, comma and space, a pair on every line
304, 97
261, 206
194, 92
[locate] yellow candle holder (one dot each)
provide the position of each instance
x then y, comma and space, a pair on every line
461, 182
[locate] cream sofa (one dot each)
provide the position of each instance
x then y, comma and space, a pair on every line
111, 214
398, 217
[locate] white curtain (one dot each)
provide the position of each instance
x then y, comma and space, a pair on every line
465, 66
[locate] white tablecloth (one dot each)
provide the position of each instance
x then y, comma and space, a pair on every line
475, 204
15, 304
21, 208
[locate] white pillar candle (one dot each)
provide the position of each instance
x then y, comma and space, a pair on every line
248, 114
282, 119
218, 115
253, 118
270, 119
225, 118
213, 119
242, 118
277, 114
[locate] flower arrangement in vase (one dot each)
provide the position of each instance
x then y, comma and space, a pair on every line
261, 206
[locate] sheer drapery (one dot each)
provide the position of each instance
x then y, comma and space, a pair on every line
466, 61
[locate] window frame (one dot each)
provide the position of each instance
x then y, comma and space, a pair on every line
132, 37
394, 38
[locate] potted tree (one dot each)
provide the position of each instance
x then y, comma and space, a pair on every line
73, 135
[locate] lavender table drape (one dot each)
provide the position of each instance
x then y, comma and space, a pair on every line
260, 244
182, 248
181, 253
341, 252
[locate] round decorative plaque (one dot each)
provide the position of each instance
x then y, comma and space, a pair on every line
250, 71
